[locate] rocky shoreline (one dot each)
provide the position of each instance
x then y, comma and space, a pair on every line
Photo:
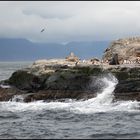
58, 80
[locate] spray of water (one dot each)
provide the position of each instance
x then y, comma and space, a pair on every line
103, 102
107, 95
17, 98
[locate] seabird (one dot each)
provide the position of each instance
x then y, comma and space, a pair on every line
42, 30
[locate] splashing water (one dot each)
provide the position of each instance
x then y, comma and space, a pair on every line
106, 97
101, 103
17, 98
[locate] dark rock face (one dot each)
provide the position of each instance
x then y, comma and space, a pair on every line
128, 86
66, 82
26, 81
75, 83
59, 95
133, 96
56, 81
22, 80
70, 83
7, 93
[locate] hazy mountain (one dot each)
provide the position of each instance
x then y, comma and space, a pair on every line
22, 49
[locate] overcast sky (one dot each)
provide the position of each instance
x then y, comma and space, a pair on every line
69, 20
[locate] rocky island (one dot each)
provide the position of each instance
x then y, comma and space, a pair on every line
58, 79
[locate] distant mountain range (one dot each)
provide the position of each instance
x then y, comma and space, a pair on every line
24, 50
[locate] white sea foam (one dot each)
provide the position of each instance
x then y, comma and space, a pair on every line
17, 98
4, 86
102, 103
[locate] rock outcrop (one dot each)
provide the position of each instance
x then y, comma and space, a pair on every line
64, 78
128, 50
60, 82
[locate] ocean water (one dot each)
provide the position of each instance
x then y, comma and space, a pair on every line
96, 118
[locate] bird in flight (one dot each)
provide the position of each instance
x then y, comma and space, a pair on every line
42, 30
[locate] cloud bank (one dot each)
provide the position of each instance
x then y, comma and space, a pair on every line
70, 20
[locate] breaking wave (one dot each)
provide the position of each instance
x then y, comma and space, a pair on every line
103, 102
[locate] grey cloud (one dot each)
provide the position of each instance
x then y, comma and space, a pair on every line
48, 14
69, 21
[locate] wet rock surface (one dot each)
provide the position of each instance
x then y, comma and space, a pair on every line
77, 82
